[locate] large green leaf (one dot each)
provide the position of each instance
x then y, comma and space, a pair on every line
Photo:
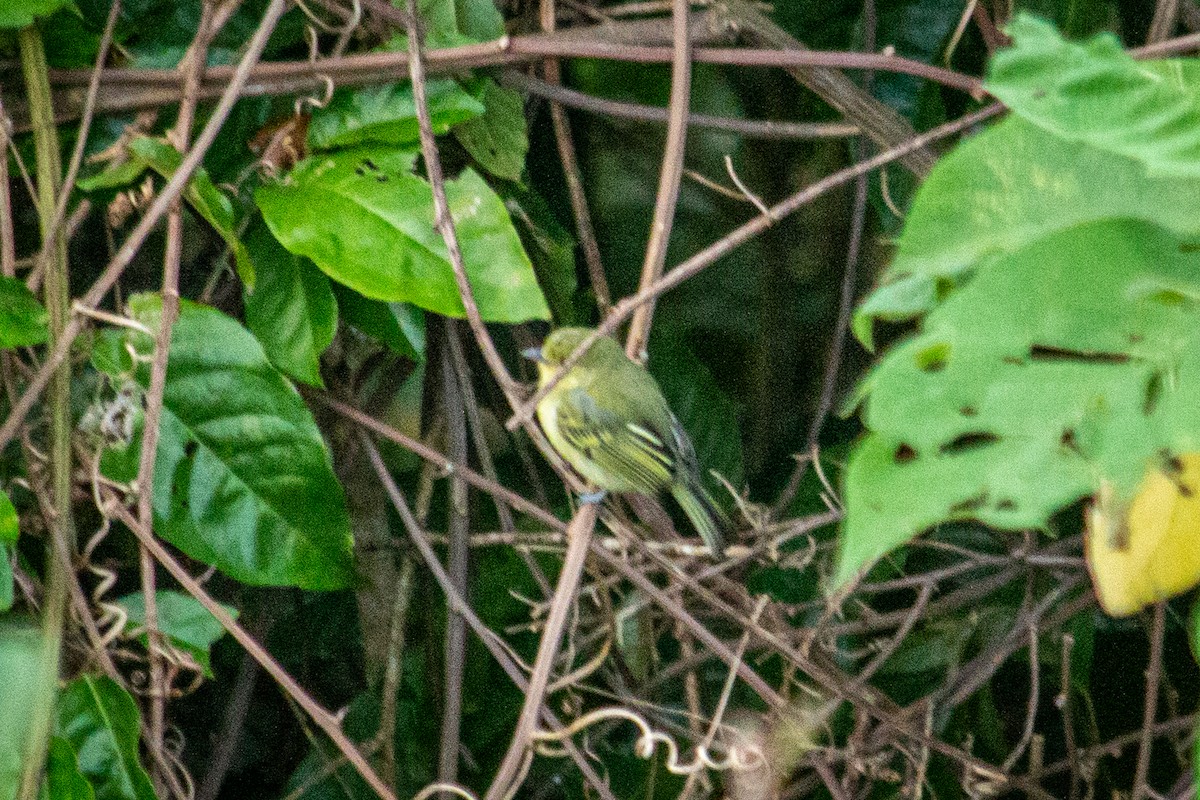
1097, 93
102, 724
24, 698
19, 13
367, 221
291, 308
22, 318
184, 622
1072, 359
388, 115
242, 480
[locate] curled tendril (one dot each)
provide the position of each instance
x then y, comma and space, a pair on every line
452, 788
739, 758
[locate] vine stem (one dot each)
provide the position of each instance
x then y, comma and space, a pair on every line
57, 296
668, 181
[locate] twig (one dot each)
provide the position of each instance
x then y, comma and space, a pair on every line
668, 181
57, 354
1063, 702
441, 210
234, 717
390, 689
1150, 703
1166, 15
89, 108
324, 720
194, 62
738, 236
1032, 706
458, 529
571, 173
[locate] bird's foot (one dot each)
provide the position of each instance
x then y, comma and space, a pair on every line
592, 498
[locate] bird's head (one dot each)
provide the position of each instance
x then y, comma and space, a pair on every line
564, 341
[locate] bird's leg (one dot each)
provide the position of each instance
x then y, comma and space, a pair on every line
593, 498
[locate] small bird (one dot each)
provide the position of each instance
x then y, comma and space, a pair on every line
609, 420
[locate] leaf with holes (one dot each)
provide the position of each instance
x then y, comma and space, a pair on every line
1073, 360
242, 480
1092, 139
1095, 92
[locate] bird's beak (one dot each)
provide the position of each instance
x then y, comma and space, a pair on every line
534, 354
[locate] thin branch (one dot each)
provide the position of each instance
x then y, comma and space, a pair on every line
480, 482
441, 210
1150, 703
458, 562
579, 535
89, 108
193, 64
571, 173
669, 179
57, 296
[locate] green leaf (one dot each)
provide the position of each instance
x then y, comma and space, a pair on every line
64, 780
388, 115
400, 326
479, 19
25, 700
367, 222
208, 201
8, 520
1000, 191
291, 308
242, 480
102, 724
6, 577
113, 176
1097, 93
497, 140
1075, 358
551, 249
185, 623
23, 321
19, 13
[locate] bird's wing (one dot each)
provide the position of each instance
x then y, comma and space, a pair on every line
628, 450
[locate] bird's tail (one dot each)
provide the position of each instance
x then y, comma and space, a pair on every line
709, 519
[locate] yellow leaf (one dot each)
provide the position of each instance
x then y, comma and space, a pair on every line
1148, 550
